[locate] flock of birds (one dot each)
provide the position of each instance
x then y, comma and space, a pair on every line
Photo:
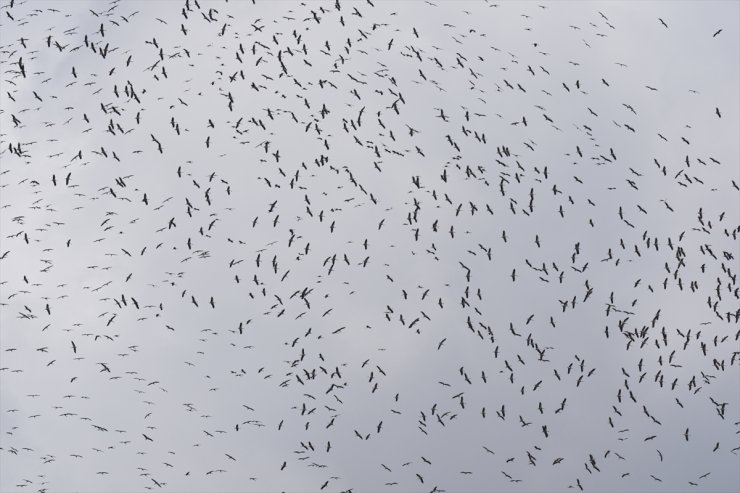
361, 246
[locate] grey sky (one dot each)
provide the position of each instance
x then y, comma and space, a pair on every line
615, 211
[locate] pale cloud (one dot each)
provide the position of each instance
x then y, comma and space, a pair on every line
325, 317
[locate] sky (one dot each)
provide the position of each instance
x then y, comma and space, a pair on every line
353, 246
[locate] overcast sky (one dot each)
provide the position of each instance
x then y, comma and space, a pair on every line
399, 246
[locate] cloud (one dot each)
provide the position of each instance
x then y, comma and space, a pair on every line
353, 256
